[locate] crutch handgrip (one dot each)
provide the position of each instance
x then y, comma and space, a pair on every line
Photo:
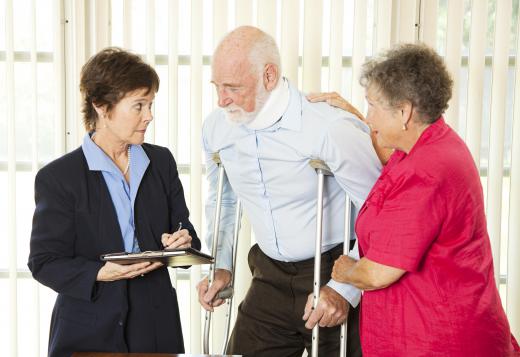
225, 293
320, 165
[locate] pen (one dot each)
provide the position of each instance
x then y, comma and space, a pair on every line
180, 226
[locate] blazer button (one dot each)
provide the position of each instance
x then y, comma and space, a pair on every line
120, 323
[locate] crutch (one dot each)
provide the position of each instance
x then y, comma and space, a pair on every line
226, 293
323, 170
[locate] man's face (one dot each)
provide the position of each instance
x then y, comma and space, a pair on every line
240, 92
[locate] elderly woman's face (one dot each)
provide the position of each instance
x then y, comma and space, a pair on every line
385, 122
130, 117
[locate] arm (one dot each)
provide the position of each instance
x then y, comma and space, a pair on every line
348, 152
223, 263
365, 274
338, 101
52, 258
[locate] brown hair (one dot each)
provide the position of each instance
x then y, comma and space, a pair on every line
108, 76
414, 73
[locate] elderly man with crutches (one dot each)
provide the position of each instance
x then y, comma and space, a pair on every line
266, 132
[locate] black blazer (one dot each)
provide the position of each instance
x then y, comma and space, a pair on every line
74, 223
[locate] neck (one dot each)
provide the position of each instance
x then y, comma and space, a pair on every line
113, 148
411, 136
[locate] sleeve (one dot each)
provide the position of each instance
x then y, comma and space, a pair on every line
349, 152
407, 223
349, 292
227, 214
52, 258
177, 204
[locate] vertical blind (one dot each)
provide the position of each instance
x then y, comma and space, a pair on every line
323, 45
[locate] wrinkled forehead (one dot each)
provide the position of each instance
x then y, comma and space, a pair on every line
231, 65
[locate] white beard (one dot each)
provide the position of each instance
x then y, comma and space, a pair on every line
237, 116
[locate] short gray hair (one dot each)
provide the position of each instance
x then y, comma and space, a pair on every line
263, 51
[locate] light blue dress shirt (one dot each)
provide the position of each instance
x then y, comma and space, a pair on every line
123, 193
269, 171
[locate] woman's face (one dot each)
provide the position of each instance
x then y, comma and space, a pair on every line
386, 122
129, 118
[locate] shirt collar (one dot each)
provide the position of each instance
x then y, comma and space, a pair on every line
292, 118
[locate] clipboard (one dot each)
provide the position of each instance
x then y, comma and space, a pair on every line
170, 257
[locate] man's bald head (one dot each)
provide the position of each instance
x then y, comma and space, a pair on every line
250, 46
245, 69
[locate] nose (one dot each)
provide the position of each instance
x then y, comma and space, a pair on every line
148, 116
223, 98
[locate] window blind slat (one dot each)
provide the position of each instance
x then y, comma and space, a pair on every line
11, 179
290, 35
312, 30
59, 82
336, 46
244, 12
453, 54
477, 62
196, 159
173, 76
383, 25
405, 29
102, 27
267, 16
513, 263
34, 334
358, 52
496, 135
150, 56
428, 28
127, 24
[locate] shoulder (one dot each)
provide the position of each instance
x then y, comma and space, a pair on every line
69, 165
157, 152
331, 119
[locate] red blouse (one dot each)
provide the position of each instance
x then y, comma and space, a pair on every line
425, 215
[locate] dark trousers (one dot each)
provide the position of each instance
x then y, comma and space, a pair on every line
269, 321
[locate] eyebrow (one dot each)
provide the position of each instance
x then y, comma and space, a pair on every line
142, 99
227, 84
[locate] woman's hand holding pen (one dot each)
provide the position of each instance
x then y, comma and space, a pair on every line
178, 239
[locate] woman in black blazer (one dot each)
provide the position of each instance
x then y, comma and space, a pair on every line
112, 194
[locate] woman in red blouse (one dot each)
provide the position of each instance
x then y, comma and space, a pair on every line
426, 266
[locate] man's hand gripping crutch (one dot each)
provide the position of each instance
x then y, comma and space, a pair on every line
325, 307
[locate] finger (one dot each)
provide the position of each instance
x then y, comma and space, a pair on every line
308, 307
212, 292
319, 97
180, 242
164, 239
325, 320
339, 103
202, 288
314, 318
217, 302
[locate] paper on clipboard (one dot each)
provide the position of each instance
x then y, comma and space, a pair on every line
170, 257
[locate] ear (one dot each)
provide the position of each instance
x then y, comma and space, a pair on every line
406, 109
271, 76
101, 110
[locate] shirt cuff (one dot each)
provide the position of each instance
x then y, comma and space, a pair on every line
349, 292
224, 260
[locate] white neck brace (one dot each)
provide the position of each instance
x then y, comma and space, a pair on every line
273, 108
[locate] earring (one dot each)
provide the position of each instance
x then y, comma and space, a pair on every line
405, 127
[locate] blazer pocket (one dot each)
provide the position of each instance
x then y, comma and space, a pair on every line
79, 317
